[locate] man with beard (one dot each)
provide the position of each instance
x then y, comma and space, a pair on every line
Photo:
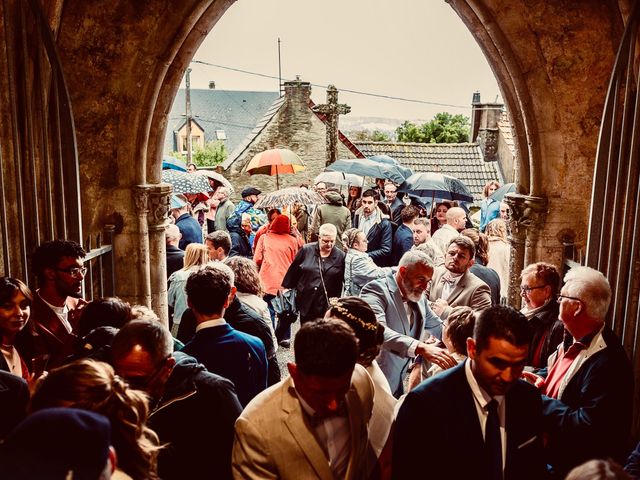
399, 304
377, 227
48, 337
454, 285
481, 404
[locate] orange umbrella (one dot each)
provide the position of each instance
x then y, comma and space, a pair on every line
274, 162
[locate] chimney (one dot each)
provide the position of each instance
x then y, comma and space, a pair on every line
212, 85
484, 126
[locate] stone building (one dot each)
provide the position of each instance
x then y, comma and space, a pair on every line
86, 88
290, 123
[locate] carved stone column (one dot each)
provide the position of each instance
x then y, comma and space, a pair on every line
526, 220
141, 200
159, 197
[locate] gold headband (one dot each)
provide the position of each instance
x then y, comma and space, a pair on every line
343, 311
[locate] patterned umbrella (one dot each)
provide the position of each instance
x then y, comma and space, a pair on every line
274, 162
186, 182
436, 185
217, 179
288, 196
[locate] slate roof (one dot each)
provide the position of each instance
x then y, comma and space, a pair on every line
235, 112
461, 160
504, 125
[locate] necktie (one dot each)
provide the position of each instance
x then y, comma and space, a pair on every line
493, 441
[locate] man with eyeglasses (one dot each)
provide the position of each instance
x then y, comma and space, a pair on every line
192, 410
588, 392
539, 284
49, 339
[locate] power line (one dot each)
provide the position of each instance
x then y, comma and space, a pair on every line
356, 92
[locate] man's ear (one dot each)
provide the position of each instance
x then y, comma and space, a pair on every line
113, 459
471, 262
49, 273
232, 295
471, 348
293, 370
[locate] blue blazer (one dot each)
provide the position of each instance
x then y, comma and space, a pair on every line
443, 409
232, 354
190, 229
402, 242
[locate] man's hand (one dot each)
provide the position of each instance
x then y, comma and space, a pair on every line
438, 306
437, 355
531, 377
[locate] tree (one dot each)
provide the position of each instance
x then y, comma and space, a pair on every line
369, 136
444, 128
211, 154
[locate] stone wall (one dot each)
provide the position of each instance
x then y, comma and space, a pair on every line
295, 127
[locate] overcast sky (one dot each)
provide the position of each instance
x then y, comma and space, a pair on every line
416, 49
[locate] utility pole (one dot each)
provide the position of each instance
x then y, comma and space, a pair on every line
279, 69
187, 97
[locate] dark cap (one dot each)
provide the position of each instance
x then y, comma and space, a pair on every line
250, 191
34, 449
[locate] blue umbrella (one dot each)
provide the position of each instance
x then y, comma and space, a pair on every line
173, 163
369, 168
391, 161
436, 185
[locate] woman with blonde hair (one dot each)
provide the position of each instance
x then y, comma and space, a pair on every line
359, 268
195, 255
499, 253
94, 386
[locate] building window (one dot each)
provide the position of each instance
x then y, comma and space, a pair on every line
221, 135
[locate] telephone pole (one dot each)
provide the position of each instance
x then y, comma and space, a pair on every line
187, 97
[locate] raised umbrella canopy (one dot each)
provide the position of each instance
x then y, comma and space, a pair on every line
275, 161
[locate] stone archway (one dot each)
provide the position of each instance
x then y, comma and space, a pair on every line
124, 63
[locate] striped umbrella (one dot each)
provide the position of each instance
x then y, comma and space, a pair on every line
288, 196
274, 162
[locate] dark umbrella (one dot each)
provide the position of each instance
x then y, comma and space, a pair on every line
173, 163
370, 168
499, 194
436, 185
391, 161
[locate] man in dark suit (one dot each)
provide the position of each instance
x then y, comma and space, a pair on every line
49, 337
235, 355
403, 237
377, 227
175, 256
188, 226
480, 419
589, 386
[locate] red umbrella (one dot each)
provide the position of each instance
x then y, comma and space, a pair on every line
274, 162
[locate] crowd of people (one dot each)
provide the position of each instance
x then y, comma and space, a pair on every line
406, 351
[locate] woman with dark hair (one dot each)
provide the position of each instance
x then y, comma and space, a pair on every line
15, 308
103, 312
353, 202
94, 386
439, 216
360, 317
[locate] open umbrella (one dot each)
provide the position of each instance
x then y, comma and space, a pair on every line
173, 163
369, 168
186, 182
436, 185
217, 179
288, 196
275, 162
499, 194
391, 161
339, 178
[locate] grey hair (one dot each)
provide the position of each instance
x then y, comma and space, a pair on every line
172, 232
414, 256
590, 286
328, 229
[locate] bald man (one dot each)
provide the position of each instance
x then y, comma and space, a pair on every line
456, 221
175, 256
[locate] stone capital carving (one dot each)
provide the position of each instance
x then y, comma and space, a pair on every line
527, 214
153, 201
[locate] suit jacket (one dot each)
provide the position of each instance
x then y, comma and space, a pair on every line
275, 440
592, 418
490, 277
384, 297
46, 336
444, 408
402, 242
190, 229
470, 291
234, 355
379, 236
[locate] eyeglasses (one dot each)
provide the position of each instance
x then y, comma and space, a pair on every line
526, 289
75, 272
143, 382
561, 297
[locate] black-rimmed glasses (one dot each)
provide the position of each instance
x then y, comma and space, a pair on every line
526, 289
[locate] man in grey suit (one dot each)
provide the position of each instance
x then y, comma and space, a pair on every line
454, 285
400, 306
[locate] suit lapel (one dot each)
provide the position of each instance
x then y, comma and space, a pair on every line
469, 420
460, 288
301, 431
436, 286
400, 310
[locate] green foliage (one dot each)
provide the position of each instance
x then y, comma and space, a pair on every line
369, 136
444, 128
211, 154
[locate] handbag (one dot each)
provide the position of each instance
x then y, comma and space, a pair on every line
284, 304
